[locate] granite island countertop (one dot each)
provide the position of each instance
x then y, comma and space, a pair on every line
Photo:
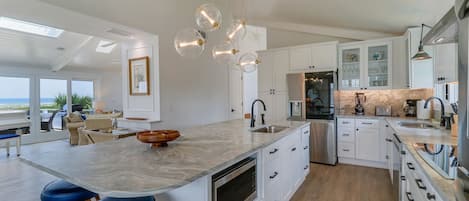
409, 136
128, 168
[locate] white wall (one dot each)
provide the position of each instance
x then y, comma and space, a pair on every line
110, 91
255, 40
277, 38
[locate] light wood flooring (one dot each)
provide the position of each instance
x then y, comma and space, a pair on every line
345, 183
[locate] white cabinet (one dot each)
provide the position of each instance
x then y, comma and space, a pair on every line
359, 142
314, 57
446, 63
366, 65
389, 146
265, 72
420, 72
305, 136
284, 166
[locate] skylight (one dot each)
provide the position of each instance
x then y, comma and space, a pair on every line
105, 46
29, 27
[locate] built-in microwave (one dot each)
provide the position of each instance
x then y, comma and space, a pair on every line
236, 183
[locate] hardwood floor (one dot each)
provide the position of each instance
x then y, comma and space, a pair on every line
345, 183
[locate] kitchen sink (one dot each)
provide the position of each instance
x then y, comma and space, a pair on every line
416, 125
269, 129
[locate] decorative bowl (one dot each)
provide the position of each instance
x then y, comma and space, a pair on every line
158, 138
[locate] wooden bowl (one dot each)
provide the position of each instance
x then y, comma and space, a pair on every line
158, 138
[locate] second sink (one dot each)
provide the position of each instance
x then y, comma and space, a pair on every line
269, 129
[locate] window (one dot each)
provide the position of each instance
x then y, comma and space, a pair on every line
29, 27
14, 99
53, 104
83, 94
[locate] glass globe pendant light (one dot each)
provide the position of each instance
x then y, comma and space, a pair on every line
208, 17
189, 43
236, 31
248, 62
225, 53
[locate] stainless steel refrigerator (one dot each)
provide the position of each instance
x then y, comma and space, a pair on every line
311, 98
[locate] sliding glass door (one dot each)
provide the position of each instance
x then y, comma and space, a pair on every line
83, 95
14, 105
53, 105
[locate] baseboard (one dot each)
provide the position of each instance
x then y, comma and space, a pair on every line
365, 163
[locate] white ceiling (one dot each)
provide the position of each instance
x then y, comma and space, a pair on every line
389, 16
19, 49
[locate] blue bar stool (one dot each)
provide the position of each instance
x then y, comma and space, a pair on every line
149, 198
61, 190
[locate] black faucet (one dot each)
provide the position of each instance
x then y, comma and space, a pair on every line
445, 120
253, 119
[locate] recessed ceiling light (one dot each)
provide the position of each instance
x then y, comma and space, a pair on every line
105, 46
29, 27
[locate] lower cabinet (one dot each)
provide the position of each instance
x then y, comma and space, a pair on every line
285, 165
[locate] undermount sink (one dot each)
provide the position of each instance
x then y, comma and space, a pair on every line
416, 125
269, 129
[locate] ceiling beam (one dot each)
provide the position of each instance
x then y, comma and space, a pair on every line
68, 56
354, 34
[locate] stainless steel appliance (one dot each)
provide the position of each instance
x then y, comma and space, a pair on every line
410, 107
383, 110
236, 183
360, 99
454, 26
314, 94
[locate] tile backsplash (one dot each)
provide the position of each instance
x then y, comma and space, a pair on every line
395, 98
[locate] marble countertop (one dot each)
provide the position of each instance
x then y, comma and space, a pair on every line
408, 136
128, 168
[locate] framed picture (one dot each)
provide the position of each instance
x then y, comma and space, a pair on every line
139, 76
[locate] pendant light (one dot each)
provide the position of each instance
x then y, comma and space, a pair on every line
189, 43
208, 17
237, 30
225, 53
248, 62
421, 54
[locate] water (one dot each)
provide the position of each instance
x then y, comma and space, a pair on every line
23, 101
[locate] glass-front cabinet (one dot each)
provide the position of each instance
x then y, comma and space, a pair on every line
365, 66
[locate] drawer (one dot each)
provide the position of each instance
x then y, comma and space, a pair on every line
305, 140
367, 123
346, 150
305, 130
346, 135
272, 152
345, 122
305, 145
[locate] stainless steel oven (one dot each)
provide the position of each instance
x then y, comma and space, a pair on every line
236, 183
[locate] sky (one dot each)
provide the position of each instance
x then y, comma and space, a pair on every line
19, 88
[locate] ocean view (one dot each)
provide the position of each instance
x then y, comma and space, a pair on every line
23, 101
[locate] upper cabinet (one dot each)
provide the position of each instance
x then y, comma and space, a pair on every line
314, 57
365, 65
445, 63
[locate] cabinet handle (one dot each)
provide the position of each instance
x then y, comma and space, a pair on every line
314, 66
403, 178
388, 140
345, 122
345, 134
403, 153
347, 150
431, 196
273, 176
366, 88
420, 184
387, 126
293, 149
357, 129
409, 196
387, 157
274, 151
306, 147
306, 132
306, 167
410, 166
367, 123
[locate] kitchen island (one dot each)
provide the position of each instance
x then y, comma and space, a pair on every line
129, 168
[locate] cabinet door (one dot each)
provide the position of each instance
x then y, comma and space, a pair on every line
265, 72
446, 62
272, 182
300, 58
324, 57
367, 144
279, 106
400, 63
350, 67
378, 72
280, 70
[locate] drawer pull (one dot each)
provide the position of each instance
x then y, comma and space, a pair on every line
403, 178
431, 196
387, 157
345, 134
345, 122
410, 166
420, 184
409, 196
367, 123
273, 176
293, 149
306, 147
347, 150
306, 132
306, 167
388, 140
274, 151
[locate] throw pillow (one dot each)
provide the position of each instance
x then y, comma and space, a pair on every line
75, 117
